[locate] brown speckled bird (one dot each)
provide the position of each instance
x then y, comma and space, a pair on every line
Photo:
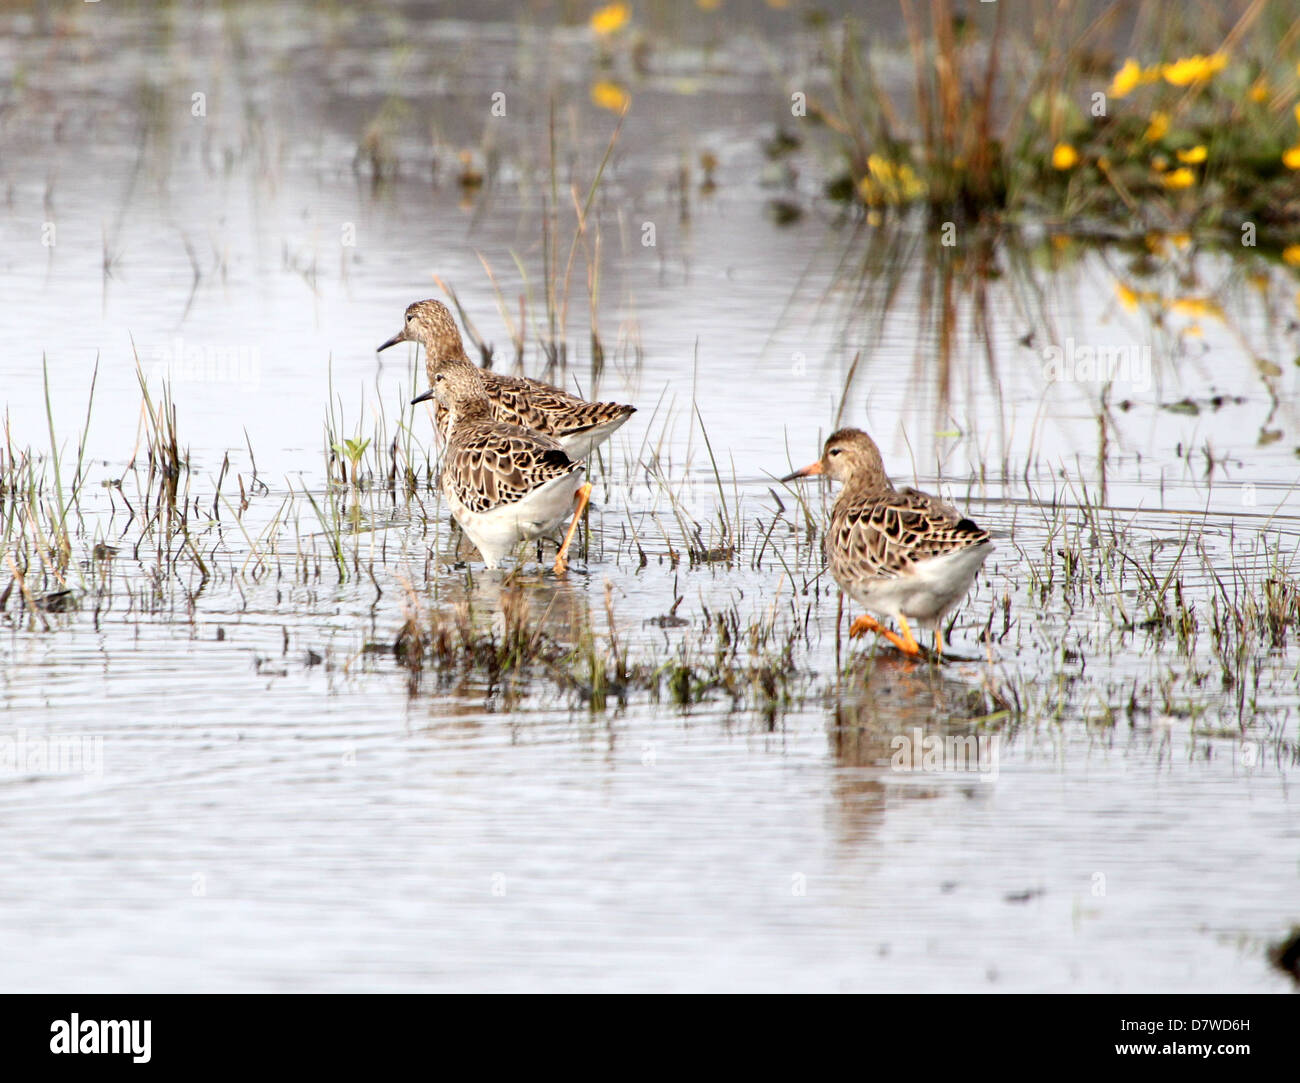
505, 484
578, 425
900, 552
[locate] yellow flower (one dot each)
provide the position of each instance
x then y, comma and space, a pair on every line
1179, 178
1291, 157
1127, 296
1157, 128
1291, 254
1259, 91
1297, 112
1193, 69
610, 18
1064, 156
1180, 240
1126, 79
887, 182
610, 96
1193, 156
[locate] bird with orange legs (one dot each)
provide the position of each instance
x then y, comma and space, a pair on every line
505, 484
901, 553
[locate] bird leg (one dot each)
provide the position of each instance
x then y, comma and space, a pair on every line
938, 641
910, 645
581, 498
865, 624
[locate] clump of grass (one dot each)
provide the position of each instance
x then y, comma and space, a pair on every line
557, 283
952, 159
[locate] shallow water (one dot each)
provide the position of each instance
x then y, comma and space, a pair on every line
279, 807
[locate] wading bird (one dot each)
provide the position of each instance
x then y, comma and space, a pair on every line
505, 484
899, 552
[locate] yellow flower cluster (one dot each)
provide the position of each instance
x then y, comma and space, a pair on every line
890, 182
1182, 177
1194, 69
1183, 72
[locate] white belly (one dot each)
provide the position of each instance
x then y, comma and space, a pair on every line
497, 531
929, 591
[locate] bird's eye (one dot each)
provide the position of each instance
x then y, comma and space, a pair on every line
410, 316
834, 451
440, 377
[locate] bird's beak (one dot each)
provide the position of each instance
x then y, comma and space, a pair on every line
423, 396
399, 337
807, 472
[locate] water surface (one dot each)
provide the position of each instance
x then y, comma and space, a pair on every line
281, 806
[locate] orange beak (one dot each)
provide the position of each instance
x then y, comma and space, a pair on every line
807, 472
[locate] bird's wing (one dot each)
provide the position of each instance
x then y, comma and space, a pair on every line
490, 465
547, 409
885, 537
